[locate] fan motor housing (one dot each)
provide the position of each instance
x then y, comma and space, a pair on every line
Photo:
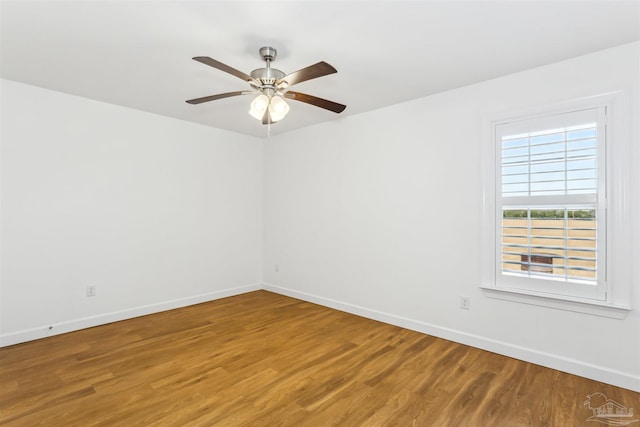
267, 76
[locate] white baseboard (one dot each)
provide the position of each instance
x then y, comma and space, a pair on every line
104, 318
560, 363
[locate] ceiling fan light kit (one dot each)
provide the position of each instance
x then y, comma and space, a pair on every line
272, 86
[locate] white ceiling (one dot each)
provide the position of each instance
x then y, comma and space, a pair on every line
138, 53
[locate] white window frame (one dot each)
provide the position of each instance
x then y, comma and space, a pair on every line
615, 219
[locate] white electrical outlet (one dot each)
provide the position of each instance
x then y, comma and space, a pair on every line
91, 290
465, 303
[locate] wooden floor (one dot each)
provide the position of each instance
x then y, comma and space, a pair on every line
262, 359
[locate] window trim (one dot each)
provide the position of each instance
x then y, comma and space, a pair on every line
621, 183
578, 305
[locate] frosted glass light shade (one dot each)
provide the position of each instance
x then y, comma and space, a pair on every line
277, 109
258, 106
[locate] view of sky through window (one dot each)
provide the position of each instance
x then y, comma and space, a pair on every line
555, 161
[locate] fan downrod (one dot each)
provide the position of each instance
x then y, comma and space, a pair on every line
268, 76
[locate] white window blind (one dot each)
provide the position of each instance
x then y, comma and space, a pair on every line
550, 191
553, 161
550, 243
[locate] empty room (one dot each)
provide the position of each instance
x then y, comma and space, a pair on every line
317, 213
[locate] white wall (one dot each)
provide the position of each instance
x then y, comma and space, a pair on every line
380, 214
156, 212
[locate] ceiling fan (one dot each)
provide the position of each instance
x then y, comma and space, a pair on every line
273, 85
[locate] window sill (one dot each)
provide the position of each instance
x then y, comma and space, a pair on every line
597, 308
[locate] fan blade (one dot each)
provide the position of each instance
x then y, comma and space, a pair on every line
223, 67
218, 96
314, 100
311, 72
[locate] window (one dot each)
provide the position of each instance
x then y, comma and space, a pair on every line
559, 225
550, 188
